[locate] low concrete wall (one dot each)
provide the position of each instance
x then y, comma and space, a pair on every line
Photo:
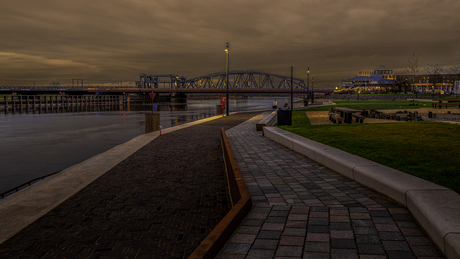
436, 208
241, 201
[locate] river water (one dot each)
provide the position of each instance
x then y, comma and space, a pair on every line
33, 145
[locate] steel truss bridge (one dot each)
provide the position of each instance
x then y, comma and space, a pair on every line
240, 81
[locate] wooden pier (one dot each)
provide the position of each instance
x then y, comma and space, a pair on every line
60, 103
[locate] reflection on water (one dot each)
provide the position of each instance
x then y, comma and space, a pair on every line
38, 144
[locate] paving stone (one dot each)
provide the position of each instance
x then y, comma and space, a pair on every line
233, 248
273, 226
342, 234
426, 251
260, 253
391, 236
295, 231
344, 254
289, 251
297, 224
342, 243
269, 234
400, 254
317, 247
340, 226
396, 245
310, 255
291, 241
243, 238
248, 230
318, 237
265, 244
371, 249
279, 213
318, 229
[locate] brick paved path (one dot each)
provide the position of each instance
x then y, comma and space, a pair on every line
305, 210
161, 202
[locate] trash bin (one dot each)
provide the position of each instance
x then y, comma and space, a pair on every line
284, 117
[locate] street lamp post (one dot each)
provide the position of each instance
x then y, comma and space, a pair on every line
228, 101
308, 81
292, 96
312, 92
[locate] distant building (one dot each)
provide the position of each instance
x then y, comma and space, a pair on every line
370, 80
367, 83
428, 83
386, 73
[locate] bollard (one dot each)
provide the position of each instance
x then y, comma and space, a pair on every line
152, 122
219, 109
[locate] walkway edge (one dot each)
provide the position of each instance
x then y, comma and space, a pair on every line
241, 201
20, 209
436, 208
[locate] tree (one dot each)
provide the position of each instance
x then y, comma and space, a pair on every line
412, 69
455, 71
435, 70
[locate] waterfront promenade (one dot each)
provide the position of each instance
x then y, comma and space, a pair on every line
302, 209
164, 199
160, 202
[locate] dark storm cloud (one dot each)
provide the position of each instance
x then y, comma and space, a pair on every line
117, 40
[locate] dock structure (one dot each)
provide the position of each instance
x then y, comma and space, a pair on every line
57, 103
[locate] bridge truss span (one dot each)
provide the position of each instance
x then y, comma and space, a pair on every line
238, 79
244, 79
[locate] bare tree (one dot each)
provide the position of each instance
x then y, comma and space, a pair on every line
435, 70
412, 69
455, 70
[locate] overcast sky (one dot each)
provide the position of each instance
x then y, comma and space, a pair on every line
115, 40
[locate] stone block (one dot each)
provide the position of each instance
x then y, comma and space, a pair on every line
452, 245
391, 182
438, 212
340, 161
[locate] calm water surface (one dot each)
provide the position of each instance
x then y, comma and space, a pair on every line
33, 145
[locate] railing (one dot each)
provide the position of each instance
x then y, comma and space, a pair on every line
17, 188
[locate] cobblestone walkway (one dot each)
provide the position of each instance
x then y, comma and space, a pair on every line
305, 210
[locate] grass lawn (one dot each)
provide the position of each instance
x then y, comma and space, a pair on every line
376, 105
428, 150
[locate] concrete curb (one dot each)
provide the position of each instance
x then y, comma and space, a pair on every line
436, 208
21, 209
241, 201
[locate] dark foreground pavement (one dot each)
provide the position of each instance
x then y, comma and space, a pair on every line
161, 202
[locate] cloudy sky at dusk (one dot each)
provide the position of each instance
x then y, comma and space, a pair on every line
115, 40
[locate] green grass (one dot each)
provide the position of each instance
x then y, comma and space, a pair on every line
376, 105
428, 150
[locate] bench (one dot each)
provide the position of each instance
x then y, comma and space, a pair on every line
337, 119
330, 115
358, 117
446, 104
267, 121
